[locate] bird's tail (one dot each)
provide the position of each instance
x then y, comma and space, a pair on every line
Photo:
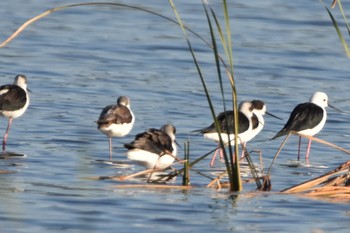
198, 131
279, 134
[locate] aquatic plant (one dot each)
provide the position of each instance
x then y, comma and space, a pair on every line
333, 185
336, 25
231, 159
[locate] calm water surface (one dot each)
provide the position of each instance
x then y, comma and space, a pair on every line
80, 60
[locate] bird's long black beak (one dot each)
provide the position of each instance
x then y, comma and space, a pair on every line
29, 90
270, 114
337, 109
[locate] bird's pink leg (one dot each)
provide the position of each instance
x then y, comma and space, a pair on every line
6, 135
308, 150
243, 150
110, 147
214, 156
299, 148
221, 154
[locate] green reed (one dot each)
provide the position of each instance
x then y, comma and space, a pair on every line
231, 159
336, 25
186, 169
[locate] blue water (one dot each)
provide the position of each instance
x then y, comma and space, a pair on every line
79, 60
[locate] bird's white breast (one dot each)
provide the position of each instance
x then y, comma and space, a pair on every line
318, 128
150, 160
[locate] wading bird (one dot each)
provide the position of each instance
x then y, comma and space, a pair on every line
116, 120
14, 101
307, 119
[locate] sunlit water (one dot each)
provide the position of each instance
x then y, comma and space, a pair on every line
80, 60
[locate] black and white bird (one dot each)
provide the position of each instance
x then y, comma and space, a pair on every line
227, 127
154, 148
116, 120
14, 101
258, 122
259, 110
307, 119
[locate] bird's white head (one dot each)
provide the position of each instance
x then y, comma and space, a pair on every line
123, 100
246, 108
319, 98
21, 80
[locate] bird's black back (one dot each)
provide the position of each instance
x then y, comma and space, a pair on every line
116, 114
304, 116
15, 98
153, 140
227, 119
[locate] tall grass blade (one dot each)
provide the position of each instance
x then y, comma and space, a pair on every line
186, 173
52, 10
253, 170
223, 43
236, 184
340, 35
344, 16
228, 162
198, 70
228, 35
235, 168
227, 46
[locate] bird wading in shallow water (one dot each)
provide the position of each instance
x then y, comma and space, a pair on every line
227, 127
154, 148
116, 120
259, 110
307, 119
14, 101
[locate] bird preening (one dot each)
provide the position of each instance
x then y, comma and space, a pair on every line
116, 120
154, 148
14, 101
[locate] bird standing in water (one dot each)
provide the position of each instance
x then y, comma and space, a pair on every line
14, 101
227, 127
116, 120
258, 122
307, 119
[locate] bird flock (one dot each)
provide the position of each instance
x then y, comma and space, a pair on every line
157, 148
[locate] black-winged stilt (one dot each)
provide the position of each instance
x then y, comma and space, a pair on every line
14, 101
116, 120
154, 148
258, 122
227, 127
307, 118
